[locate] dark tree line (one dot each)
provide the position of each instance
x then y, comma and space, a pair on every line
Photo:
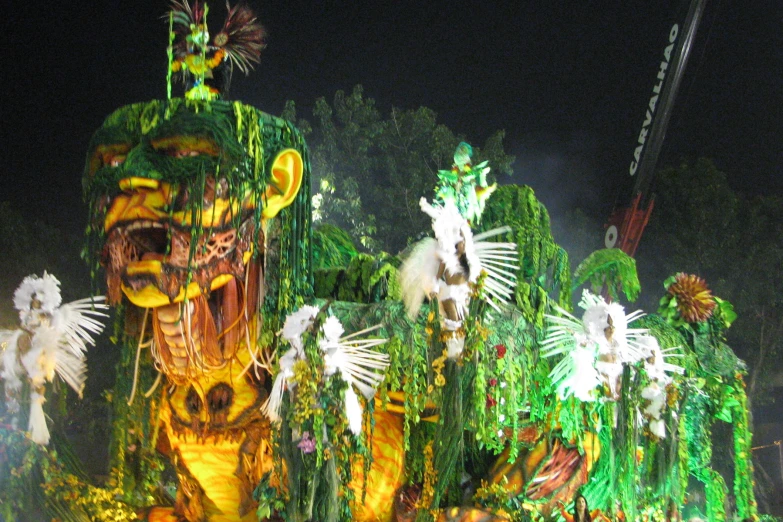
370, 170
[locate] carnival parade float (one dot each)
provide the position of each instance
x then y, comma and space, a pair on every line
453, 382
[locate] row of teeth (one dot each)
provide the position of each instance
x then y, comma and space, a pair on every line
139, 225
142, 225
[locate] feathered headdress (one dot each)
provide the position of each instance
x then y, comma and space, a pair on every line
37, 293
197, 57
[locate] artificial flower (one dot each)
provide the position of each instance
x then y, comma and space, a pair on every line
332, 330
307, 443
695, 302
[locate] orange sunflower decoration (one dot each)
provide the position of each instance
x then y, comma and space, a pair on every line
695, 302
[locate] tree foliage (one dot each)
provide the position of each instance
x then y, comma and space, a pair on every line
696, 222
701, 226
332, 247
370, 171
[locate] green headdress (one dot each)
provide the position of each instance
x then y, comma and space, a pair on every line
465, 184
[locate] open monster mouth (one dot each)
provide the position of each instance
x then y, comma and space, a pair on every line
157, 263
198, 290
561, 466
550, 470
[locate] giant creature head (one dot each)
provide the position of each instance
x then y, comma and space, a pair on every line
181, 196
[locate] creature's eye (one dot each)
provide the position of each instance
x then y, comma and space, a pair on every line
111, 155
213, 189
185, 146
116, 161
184, 153
219, 398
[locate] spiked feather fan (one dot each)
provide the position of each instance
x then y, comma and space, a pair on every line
242, 37
184, 18
499, 261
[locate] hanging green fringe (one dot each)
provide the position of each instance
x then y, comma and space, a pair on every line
743, 461
544, 268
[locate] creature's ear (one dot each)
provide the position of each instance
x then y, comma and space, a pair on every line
284, 182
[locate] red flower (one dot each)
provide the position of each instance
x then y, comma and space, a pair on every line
493, 382
501, 349
490, 401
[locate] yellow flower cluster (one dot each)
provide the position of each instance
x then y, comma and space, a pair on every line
437, 367
494, 495
198, 64
430, 477
306, 379
99, 504
672, 395
477, 288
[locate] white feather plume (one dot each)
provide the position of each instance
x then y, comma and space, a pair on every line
271, 407
419, 275
296, 323
353, 411
39, 432
450, 230
576, 375
10, 368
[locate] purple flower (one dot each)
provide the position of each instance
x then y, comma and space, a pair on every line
307, 444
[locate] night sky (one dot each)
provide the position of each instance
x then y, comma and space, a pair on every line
568, 81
